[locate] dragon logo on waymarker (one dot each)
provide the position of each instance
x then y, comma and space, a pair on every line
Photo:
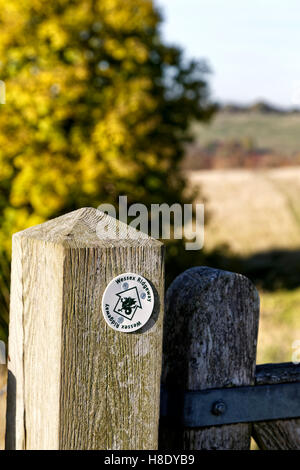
128, 303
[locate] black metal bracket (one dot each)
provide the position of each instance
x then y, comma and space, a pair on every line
215, 407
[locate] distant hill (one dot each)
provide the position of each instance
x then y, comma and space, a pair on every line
262, 107
257, 136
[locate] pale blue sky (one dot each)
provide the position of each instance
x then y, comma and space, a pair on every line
252, 46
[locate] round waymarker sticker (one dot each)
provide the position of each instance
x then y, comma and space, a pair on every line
127, 302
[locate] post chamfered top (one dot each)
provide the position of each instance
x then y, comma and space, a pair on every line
88, 227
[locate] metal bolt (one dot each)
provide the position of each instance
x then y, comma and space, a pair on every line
125, 285
143, 295
219, 408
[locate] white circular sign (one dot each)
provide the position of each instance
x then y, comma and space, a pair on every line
127, 302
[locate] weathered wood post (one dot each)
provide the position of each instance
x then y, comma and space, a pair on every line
282, 434
210, 335
74, 382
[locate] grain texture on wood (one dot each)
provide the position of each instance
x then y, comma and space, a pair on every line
285, 372
74, 382
281, 434
210, 334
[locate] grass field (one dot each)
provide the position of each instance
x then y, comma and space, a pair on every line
251, 211
258, 211
279, 132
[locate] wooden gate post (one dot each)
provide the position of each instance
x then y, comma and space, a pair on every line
210, 334
282, 434
75, 383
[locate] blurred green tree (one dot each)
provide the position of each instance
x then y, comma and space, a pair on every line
97, 106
